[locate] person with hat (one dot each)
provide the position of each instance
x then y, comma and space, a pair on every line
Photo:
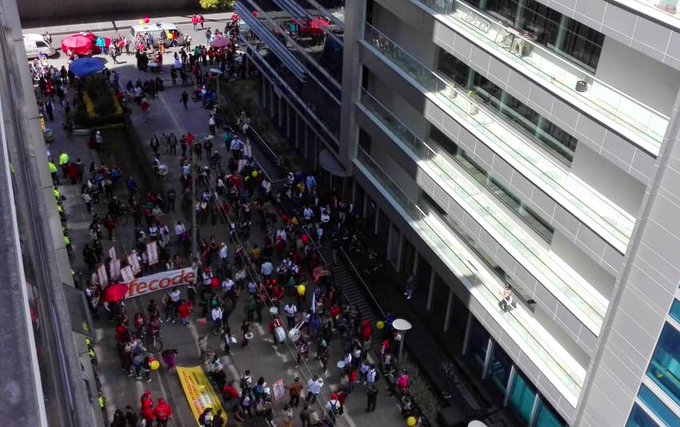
313, 388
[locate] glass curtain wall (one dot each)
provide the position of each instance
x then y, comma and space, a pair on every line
526, 120
569, 38
522, 398
664, 368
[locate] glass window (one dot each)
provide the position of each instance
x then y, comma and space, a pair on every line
522, 397
664, 369
547, 417
478, 342
582, 43
639, 418
657, 407
675, 310
499, 369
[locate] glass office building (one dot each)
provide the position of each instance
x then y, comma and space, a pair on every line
487, 143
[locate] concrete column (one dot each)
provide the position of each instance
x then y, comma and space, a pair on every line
355, 16
447, 316
430, 291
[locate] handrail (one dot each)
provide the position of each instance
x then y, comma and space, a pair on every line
363, 282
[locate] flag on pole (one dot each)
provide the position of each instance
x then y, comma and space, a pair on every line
101, 275
134, 262
152, 253
127, 274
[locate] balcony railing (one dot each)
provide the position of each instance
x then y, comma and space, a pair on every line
604, 217
569, 288
642, 124
553, 360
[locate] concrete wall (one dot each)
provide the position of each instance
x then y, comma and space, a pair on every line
606, 178
633, 73
54, 11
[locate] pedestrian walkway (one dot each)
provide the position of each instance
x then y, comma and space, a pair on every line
261, 356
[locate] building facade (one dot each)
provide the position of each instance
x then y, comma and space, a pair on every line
527, 145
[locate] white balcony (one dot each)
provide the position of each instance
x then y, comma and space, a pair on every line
593, 209
572, 290
552, 359
639, 123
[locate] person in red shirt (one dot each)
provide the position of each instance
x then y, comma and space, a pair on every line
184, 311
147, 408
229, 393
163, 413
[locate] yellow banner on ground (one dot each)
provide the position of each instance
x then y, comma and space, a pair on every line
198, 390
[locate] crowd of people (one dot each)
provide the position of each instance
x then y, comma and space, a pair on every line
269, 260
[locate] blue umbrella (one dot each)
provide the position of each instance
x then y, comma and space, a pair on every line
85, 66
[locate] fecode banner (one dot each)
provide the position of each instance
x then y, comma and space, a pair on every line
160, 281
199, 391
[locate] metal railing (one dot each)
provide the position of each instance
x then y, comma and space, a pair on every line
627, 112
552, 359
601, 215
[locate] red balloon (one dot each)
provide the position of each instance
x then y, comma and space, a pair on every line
146, 20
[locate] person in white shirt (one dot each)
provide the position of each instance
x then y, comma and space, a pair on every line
308, 213
180, 229
216, 315
290, 310
313, 388
266, 269
228, 286
372, 374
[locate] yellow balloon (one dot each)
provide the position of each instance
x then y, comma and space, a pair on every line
380, 325
141, 22
254, 174
411, 421
155, 365
301, 290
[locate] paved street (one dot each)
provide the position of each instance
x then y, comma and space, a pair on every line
262, 357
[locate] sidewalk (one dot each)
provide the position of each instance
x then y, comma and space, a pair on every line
262, 357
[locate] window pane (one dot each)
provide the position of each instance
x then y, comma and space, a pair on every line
664, 369
657, 407
479, 342
638, 418
546, 417
522, 398
675, 310
499, 369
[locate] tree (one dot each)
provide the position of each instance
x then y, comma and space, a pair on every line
216, 4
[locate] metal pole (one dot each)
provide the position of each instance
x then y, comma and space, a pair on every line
401, 344
194, 229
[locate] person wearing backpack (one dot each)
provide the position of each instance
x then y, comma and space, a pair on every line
333, 409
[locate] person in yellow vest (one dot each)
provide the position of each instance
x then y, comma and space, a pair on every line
64, 160
53, 172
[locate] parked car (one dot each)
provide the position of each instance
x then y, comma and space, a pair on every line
35, 44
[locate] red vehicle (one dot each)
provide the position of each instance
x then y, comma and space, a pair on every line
83, 44
309, 28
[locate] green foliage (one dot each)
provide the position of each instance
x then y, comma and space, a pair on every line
216, 4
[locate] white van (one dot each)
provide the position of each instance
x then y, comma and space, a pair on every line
155, 30
36, 44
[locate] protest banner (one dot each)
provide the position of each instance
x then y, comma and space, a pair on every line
159, 281
198, 391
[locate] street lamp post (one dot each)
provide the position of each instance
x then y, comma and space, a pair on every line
194, 228
402, 326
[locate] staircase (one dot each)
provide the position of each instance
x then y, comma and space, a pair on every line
353, 292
